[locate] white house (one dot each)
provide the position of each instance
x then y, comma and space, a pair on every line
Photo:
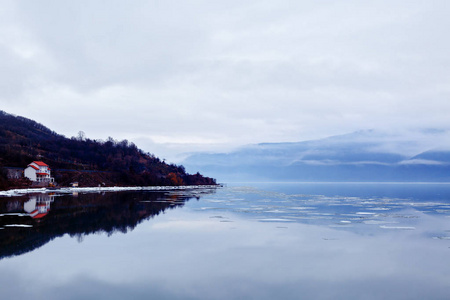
38, 171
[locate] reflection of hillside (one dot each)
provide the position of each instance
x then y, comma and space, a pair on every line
76, 216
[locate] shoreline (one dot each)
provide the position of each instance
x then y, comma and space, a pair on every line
21, 192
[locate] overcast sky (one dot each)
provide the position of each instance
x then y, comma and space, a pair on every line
176, 76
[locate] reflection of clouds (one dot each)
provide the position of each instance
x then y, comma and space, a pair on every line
188, 255
204, 225
353, 249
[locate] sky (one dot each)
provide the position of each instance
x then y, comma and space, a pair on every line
182, 76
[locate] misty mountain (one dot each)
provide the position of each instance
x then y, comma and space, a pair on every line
360, 156
436, 156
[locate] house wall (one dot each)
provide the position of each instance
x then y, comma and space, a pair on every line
30, 205
30, 173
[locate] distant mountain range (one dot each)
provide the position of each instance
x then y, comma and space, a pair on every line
360, 156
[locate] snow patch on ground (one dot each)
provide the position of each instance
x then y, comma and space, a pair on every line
20, 192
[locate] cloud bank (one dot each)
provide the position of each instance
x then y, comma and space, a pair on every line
198, 75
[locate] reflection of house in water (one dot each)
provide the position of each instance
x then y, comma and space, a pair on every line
38, 205
88, 214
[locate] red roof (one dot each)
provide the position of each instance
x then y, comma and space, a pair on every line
42, 174
34, 167
40, 163
38, 216
35, 214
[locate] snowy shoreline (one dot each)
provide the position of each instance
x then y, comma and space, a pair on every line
20, 192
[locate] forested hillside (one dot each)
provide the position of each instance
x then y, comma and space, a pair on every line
90, 162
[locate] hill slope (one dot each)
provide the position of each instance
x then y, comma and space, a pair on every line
90, 162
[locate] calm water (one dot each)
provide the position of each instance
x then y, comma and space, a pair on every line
252, 241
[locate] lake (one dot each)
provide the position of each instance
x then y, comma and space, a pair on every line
241, 241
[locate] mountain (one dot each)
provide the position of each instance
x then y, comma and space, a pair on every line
90, 162
433, 156
359, 156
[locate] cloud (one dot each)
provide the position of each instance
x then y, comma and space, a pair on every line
422, 162
226, 72
328, 162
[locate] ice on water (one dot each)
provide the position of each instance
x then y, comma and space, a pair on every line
347, 213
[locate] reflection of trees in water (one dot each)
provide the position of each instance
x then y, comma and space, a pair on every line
79, 215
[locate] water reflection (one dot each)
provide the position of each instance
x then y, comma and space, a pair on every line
38, 205
27, 223
238, 243
364, 215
